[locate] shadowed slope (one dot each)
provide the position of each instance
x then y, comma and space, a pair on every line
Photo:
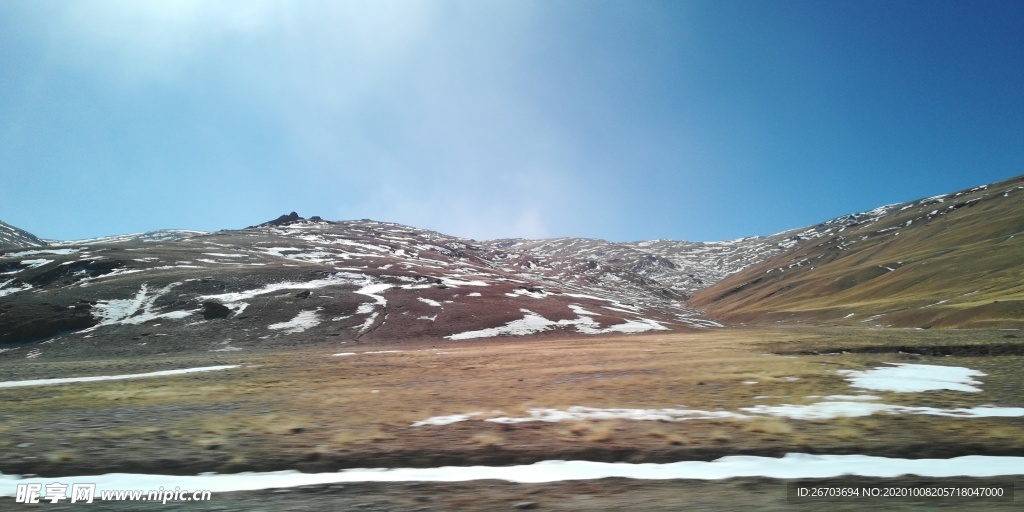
13, 238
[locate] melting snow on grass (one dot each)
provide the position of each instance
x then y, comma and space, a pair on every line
914, 378
369, 352
592, 413
900, 378
529, 324
829, 410
817, 411
47, 382
589, 413
304, 320
793, 465
534, 323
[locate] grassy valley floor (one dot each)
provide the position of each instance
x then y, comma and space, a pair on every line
312, 410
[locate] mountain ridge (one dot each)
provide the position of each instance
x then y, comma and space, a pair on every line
296, 281
959, 263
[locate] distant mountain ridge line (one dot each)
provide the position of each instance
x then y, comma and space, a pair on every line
842, 219
954, 260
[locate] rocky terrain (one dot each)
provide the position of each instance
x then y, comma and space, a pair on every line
310, 345
950, 260
12, 237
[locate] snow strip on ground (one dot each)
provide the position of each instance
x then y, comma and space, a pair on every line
793, 465
47, 382
829, 410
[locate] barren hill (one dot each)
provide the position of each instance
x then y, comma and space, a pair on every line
12, 237
954, 260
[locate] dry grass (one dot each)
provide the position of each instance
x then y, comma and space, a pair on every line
773, 426
672, 438
319, 405
487, 439
719, 435
594, 431
846, 433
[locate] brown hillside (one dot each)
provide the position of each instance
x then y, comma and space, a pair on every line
948, 261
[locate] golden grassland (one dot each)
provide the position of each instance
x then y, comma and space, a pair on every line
306, 408
912, 268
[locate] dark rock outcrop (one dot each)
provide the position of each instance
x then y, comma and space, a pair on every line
25, 323
213, 310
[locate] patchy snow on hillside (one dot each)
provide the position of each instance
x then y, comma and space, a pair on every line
374, 290
533, 323
530, 323
136, 310
304, 320
4, 290
36, 252
334, 279
35, 263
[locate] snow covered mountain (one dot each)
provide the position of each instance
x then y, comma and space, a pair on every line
304, 281
295, 281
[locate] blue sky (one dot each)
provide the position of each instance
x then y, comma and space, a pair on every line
623, 120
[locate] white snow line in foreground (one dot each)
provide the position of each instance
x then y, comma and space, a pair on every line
47, 382
793, 465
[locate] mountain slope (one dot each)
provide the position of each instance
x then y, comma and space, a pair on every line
299, 282
13, 238
955, 260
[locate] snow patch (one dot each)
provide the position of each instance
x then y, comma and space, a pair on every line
14, 289
36, 252
35, 263
529, 324
830, 410
791, 466
333, 279
67, 380
304, 320
915, 378
136, 310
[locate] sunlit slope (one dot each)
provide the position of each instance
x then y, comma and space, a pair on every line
955, 260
